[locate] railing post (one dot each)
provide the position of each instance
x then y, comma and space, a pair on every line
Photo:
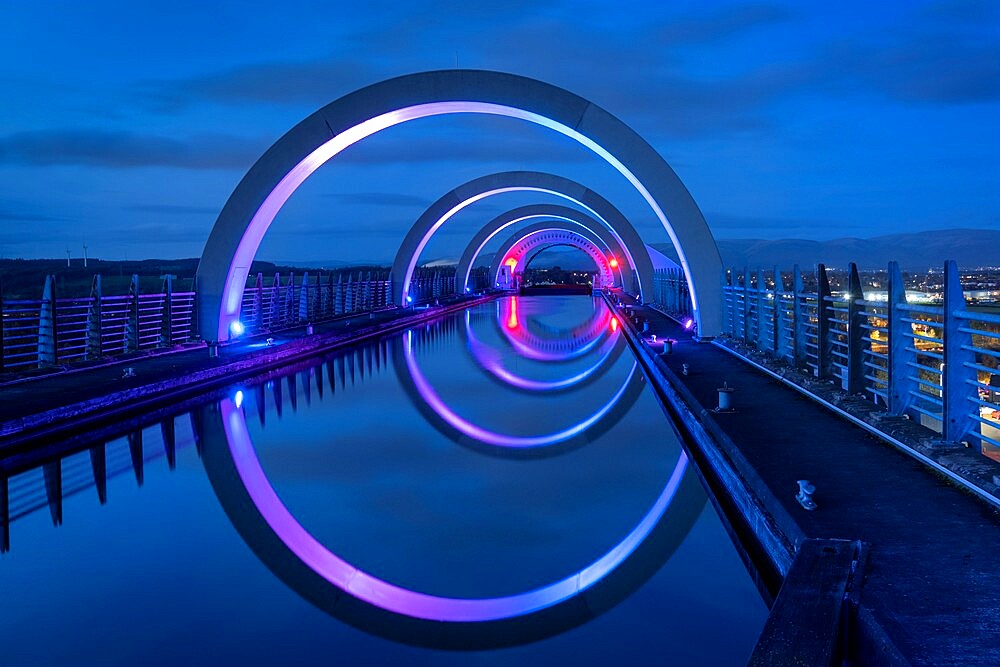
2, 363
95, 321
761, 293
956, 392
823, 314
855, 320
47, 324
746, 304
777, 316
132, 327
338, 296
899, 384
798, 319
303, 314
167, 326
258, 303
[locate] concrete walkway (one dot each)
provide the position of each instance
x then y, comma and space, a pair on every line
932, 578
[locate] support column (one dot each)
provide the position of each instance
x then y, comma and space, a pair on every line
958, 395
746, 304
95, 321
898, 367
132, 325
777, 315
824, 312
798, 319
303, 311
761, 293
47, 324
167, 325
855, 321
258, 303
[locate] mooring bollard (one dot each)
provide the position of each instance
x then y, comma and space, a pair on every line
668, 347
805, 494
309, 329
725, 398
645, 325
213, 350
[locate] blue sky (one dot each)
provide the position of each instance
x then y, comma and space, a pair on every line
127, 125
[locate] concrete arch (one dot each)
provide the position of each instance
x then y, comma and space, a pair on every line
519, 181
525, 244
557, 215
240, 227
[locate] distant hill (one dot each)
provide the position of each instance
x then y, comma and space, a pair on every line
916, 251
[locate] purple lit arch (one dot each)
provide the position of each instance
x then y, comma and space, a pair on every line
556, 216
237, 234
525, 244
599, 208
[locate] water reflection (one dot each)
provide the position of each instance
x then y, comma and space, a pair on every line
556, 386
355, 595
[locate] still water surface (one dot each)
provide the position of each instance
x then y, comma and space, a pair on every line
506, 465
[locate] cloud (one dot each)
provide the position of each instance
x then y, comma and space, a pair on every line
304, 82
173, 209
10, 216
720, 24
379, 199
117, 148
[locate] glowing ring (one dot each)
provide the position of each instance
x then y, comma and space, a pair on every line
588, 246
488, 359
237, 233
380, 593
553, 212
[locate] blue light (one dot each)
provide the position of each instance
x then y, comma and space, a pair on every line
409, 299
238, 399
237, 328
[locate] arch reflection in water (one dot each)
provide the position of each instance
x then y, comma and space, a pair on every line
355, 595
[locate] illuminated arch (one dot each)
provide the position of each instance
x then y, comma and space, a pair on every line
522, 247
558, 216
242, 223
520, 181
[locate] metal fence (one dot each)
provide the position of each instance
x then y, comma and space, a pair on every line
671, 293
937, 363
57, 330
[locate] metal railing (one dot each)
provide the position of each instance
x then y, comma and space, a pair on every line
671, 293
937, 363
57, 330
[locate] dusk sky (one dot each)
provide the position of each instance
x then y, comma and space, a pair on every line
127, 125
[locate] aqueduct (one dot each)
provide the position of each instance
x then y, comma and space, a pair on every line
522, 246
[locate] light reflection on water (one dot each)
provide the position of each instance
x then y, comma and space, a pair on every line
491, 456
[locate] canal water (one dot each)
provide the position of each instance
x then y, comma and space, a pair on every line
498, 487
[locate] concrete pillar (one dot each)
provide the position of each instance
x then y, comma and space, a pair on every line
95, 321
798, 319
746, 304
258, 303
276, 301
302, 314
898, 367
349, 294
167, 313
824, 312
959, 395
762, 342
777, 315
132, 326
47, 324
855, 380
338, 296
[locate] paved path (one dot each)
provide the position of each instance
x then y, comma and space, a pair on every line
933, 575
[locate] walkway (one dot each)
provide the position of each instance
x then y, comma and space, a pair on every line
932, 581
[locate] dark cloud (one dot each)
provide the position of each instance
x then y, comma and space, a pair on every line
379, 199
308, 82
173, 209
720, 24
11, 216
106, 148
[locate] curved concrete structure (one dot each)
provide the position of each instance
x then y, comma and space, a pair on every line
248, 213
558, 216
523, 245
519, 181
